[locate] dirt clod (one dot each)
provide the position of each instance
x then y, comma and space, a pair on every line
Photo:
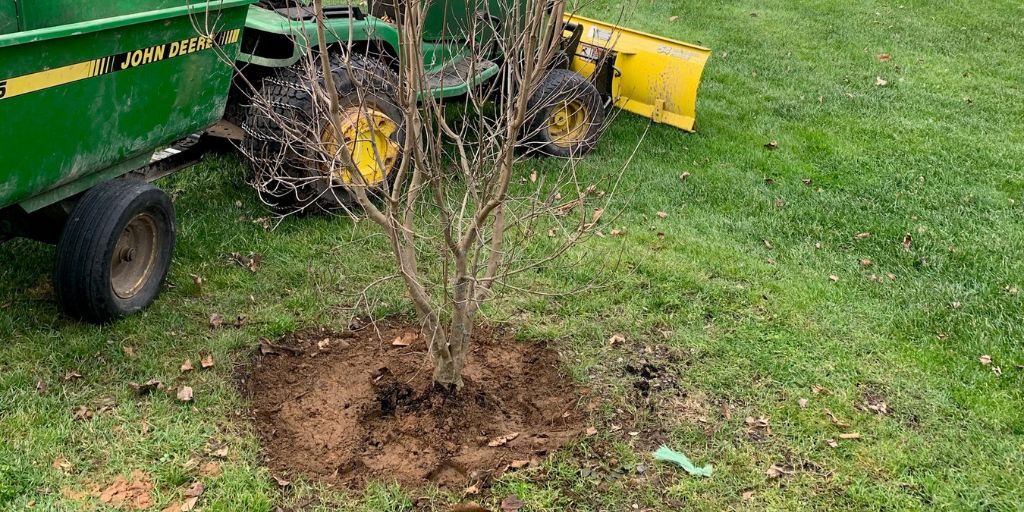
367, 410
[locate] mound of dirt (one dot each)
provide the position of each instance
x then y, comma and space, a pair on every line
345, 408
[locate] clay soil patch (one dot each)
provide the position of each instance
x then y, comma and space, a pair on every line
345, 408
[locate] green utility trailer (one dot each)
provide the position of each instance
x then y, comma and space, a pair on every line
88, 92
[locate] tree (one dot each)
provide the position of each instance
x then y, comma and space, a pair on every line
352, 127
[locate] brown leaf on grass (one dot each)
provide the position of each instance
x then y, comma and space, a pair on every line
598, 212
551, 233
881, 82
615, 339
184, 394
772, 145
891, 276
747, 495
215, 320
221, 453
519, 464
186, 366
195, 490
198, 281
865, 262
835, 421
820, 390
807, 181
997, 371
832, 443
533, 176
210, 469
777, 471
758, 423
956, 304
503, 440
662, 215
684, 176
591, 431
405, 339
470, 506
72, 375
768, 244
802, 403
512, 503
849, 436
780, 203
672, 19
63, 465
884, 57
985, 359
129, 493
907, 241
146, 387
834, 278
40, 387
281, 482
129, 351
190, 504
862, 236
207, 362
82, 413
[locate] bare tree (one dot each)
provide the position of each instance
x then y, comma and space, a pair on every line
356, 129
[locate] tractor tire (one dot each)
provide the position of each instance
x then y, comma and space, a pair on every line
115, 250
283, 147
565, 116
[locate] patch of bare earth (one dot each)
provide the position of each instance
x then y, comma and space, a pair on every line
346, 408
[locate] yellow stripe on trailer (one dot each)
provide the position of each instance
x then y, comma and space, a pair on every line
49, 78
654, 77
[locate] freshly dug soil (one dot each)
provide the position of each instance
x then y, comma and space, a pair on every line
345, 408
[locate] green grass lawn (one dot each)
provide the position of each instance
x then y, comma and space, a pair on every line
937, 153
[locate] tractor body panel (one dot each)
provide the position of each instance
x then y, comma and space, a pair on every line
86, 101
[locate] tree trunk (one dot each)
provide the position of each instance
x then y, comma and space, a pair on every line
451, 358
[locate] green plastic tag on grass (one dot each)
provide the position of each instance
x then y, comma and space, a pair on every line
669, 455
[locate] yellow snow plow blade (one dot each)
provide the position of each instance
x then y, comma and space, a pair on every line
649, 75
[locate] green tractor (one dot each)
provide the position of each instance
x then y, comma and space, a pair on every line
99, 99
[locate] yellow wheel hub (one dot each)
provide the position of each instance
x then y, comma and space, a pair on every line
568, 125
367, 133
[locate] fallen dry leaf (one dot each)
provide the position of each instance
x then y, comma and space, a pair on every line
220, 453
780, 203
832, 443
767, 244
512, 503
405, 339
684, 176
500, 441
216, 320
997, 371
129, 351
598, 212
471, 506
985, 359
324, 345
591, 431
533, 177
83, 413
862, 236
777, 471
210, 469
551, 233
672, 19
472, 490
881, 82
807, 182
195, 490
884, 57
747, 495
185, 394
772, 145
146, 387
72, 375
865, 262
834, 278
40, 387
907, 241
615, 339
662, 215
802, 402
198, 281
835, 421
849, 436
63, 465
190, 504
207, 362
186, 366
281, 482
519, 464
131, 494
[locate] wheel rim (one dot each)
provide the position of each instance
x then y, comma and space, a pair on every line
134, 256
568, 124
367, 137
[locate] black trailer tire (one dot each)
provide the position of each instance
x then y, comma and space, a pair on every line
563, 94
115, 251
278, 165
